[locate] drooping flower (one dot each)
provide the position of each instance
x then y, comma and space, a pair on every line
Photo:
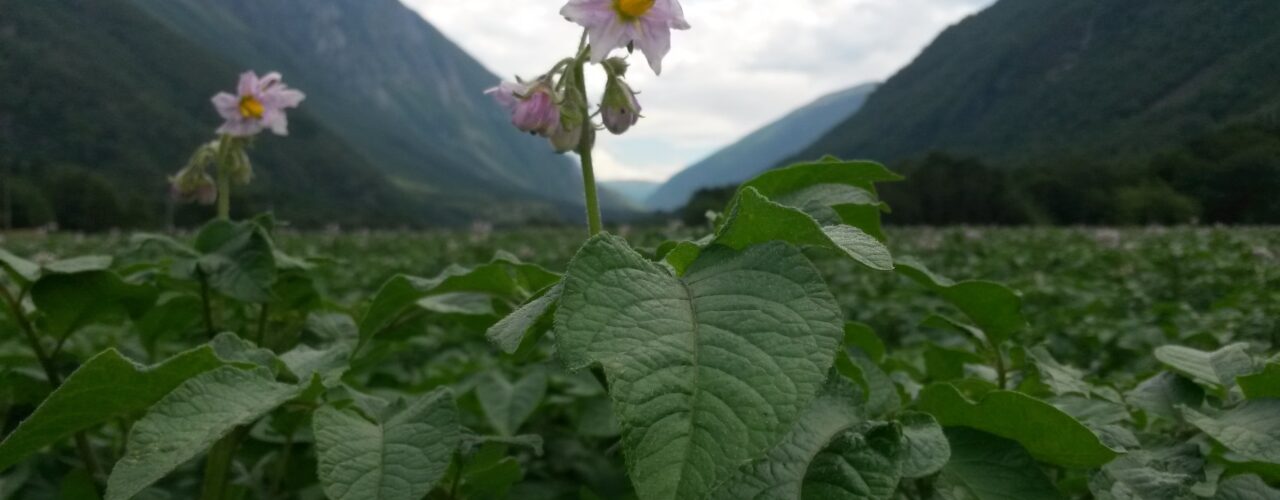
193, 187
619, 109
532, 106
613, 24
259, 103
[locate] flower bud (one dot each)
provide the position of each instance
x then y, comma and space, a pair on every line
567, 137
533, 106
193, 187
619, 109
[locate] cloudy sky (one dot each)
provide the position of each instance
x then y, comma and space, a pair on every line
744, 64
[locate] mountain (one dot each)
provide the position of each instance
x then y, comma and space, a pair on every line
100, 103
635, 192
761, 149
1028, 80
395, 88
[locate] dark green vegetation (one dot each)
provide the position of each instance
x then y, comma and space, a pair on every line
396, 130
761, 149
1127, 363
1170, 110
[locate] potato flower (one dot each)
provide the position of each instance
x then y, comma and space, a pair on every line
613, 24
532, 106
260, 104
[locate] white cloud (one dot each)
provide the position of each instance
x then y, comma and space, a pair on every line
744, 63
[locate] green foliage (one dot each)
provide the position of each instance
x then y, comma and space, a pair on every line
398, 454
726, 364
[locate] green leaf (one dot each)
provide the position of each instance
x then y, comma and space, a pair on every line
881, 393
1245, 487
70, 301
682, 255
399, 457
81, 264
510, 332
1059, 378
21, 270
106, 386
305, 362
1217, 369
857, 466
504, 277
861, 335
925, 448
1045, 431
945, 364
1163, 393
987, 467
237, 259
755, 219
995, 308
781, 473
1264, 384
1251, 430
508, 405
778, 182
1161, 473
189, 420
706, 371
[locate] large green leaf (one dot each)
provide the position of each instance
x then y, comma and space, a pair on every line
1163, 393
1217, 369
189, 420
987, 467
510, 332
507, 405
1245, 487
861, 465
505, 277
925, 449
104, 387
755, 219
993, 307
781, 473
778, 182
1264, 384
706, 371
1157, 474
1251, 430
401, 456
70, 301
21, 270
1045, 431
237, 259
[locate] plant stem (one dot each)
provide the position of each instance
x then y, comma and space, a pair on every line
204, 296
50, 372
1001, 376
218, 464
284, 466
262, 323
584, 152
224, 178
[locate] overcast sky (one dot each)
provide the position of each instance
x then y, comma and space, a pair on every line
744, 64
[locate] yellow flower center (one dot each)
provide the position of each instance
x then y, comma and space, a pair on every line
634, 8
251, 107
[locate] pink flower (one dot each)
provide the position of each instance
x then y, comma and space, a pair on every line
533, 106
613, 24
259, 104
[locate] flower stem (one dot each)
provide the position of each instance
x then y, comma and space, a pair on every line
218, 464
584, 152
224, 178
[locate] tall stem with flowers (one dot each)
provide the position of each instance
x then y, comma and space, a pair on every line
259, 104
555, 104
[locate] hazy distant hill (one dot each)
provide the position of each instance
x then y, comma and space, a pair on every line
635, 192
761, 149
99, 103
1029, 79
102, 99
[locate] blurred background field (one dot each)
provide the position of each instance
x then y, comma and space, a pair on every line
1102, 298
